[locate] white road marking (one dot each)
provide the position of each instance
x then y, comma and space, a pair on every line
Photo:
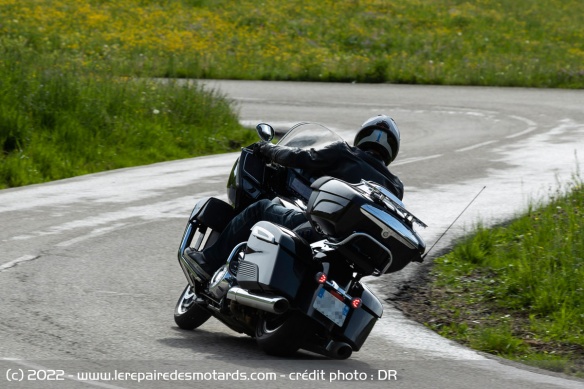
530, 129
415, 159
476, 146
24, 258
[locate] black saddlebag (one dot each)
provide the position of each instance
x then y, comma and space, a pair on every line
276, 260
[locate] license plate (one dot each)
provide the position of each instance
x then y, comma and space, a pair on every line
331, 307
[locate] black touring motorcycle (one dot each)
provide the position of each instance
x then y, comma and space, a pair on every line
286, 292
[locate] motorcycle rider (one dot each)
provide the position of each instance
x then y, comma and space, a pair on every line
375, 146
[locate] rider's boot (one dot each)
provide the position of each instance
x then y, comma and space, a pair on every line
199, 264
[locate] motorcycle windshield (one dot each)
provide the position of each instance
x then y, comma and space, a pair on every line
309, 135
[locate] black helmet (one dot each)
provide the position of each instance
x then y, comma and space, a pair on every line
379, 133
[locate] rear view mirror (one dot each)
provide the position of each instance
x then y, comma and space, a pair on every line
265, 131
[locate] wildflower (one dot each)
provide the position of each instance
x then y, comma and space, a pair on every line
155, 111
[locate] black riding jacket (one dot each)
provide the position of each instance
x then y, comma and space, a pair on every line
338, 160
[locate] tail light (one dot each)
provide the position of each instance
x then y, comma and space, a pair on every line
321, 277
356, 303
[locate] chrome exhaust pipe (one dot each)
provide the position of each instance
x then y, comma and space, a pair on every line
268, 303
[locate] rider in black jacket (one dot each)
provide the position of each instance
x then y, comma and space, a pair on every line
375, 146
339, 160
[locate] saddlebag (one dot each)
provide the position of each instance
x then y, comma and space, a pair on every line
276, 261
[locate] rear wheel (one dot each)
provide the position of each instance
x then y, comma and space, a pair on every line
281, 335
188, 315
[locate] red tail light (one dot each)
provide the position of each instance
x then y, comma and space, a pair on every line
356, 303
321, 277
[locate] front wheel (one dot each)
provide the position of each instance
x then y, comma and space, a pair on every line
188, 315
281, 335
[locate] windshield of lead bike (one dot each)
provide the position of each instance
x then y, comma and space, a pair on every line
309, 135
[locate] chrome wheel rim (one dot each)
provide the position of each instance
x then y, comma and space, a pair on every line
186, 300
272, 324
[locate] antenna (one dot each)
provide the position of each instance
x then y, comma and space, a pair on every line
451, 224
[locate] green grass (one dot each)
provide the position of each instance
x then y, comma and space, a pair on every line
58, 122
487, 42
516, 290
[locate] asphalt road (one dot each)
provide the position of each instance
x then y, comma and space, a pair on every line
88, 271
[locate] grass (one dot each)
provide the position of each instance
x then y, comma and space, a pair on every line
486, 42
60, 121
516, 290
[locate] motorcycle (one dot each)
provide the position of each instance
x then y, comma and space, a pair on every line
290, 292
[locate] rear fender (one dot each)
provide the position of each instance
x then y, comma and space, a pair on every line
359, 321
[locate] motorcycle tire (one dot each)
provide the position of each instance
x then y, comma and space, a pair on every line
281, 335
187, 314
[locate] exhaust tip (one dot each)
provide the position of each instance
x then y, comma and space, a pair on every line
281, 306
273, 304
344, 352
339, 350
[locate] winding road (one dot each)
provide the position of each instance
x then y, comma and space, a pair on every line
88, 270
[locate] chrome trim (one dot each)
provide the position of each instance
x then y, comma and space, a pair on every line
187, 237
268, 303
390, 201
223, 278
263, 234
221, 282
234, 251
390, 226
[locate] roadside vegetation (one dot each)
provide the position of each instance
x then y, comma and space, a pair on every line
59, 120
71, 102
487, 42
515, 290
75, 98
